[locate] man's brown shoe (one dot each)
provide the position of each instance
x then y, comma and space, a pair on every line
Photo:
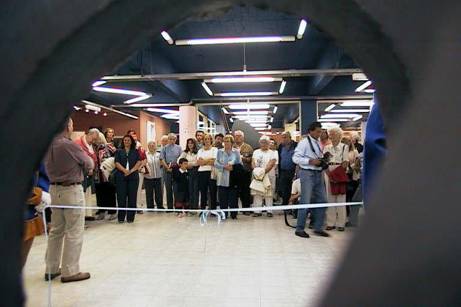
76, 277
52, 276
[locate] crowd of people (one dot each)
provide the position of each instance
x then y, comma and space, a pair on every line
208, 173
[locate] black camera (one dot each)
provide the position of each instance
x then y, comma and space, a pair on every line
325, 160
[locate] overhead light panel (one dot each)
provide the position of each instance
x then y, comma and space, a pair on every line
369, 90
118, 91
275, 109
137, 99
340, 115
332, 120
92, 108
251, 113
357, 103
357, 118
363, 86
330, 107
98, 83
248, 106
235, 40
207, 89
167, 37
231, 120
350, 111
170, 116
301, 29
225, 110
358, 76
242, 94
330, 125
282, 87
243, 80
258, 125
160, 110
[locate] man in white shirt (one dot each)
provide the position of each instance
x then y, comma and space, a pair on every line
307, 155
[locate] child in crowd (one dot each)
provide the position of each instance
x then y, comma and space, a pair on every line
181, 186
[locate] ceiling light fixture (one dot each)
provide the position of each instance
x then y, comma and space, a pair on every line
170, 116
92, 108
86, 102
357, 103
238, 94
251, 113
77, 108
330, 107
98, 83
167, 37
363, 86
357, 118
231, 120
272, 119
275, 109
137, 99
258, 124
117, 91
159, 110
301, 29
369, 90
350, 111
339, 115
243, 80
224, 110
358, 76
235, 40
207, 89
331, 120
282, 87
248, 106
330, 125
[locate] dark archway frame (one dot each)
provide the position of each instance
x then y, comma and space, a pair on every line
32, 113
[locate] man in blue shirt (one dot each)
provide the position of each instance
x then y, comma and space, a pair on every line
286, 166
307, 155
168, 159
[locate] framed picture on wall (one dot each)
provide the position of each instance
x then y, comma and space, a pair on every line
150, 128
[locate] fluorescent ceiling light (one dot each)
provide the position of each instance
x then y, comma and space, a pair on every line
77, 108
170, 116
137, 99
109, 109
272, 119
252, 117
350, 111
369, 90
98, 83
243, 80
92, 108
207, 89
358, 76
332, 120
301, 29
248, 106
260, 128
258, 124
231, 120
159, 110
282, 87
275, 109
251, 113
330, 125
225, 110
363, 86
167, 37
357, 118
235, 40
340, 115
237, 94
330, 107
357, 103
118, 91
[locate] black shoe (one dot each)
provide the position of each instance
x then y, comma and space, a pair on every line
321, 233
121, 222
348, 224
311, 226
246, 213
130, 222
330, 227
257, 214
302, 234
161, 208
340, 229
52, 276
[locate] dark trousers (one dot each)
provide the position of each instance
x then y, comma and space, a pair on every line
350, 191
285, 183
127, 191
153, 189
206, 184
228, 199
244, 189
193, 188
168, 182
105, 196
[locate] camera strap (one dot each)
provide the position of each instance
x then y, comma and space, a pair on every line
312, 147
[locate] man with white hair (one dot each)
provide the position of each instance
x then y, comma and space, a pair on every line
268, 159
356, 141
246, 153
336, 190
168, 158
88, 143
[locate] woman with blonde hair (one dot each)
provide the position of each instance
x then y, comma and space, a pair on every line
206, 157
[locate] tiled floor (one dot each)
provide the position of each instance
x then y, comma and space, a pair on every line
161, 260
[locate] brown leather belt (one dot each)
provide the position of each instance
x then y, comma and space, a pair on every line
66, 184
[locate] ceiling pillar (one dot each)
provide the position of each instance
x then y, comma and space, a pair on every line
187, 124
